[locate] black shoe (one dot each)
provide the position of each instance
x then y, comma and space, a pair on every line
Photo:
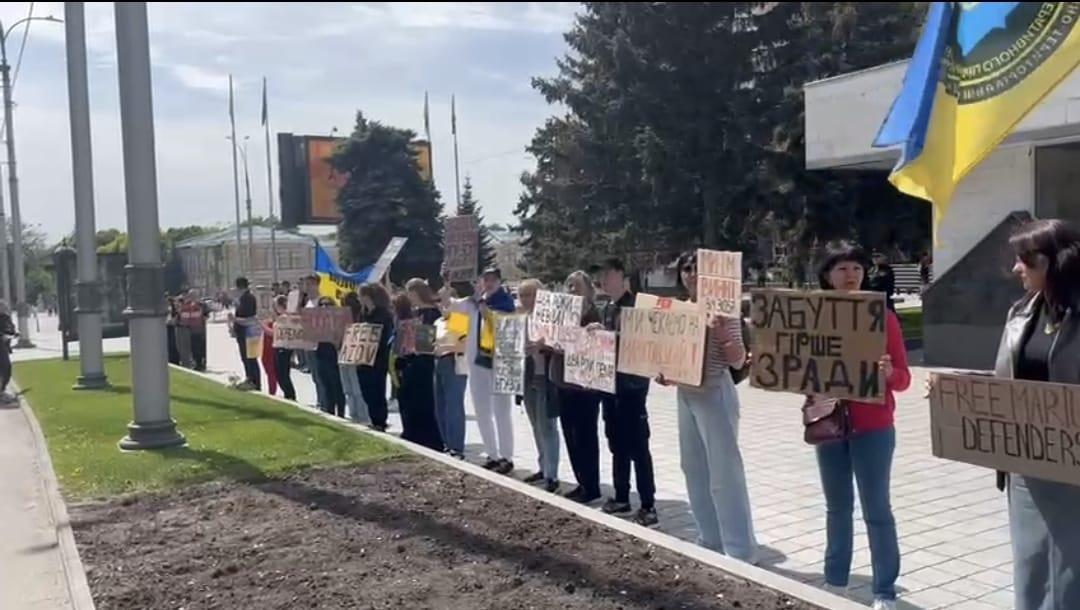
590, 496
614, 507
534, 477
551, 486
646, 517
378, 427
505, 467
575, 494
492, 464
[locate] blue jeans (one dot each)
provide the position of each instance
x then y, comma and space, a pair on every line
869, 457
450, 403
354, 399
713, 466
1045, 542
545, 427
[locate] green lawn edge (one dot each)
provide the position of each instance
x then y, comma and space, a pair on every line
231, 435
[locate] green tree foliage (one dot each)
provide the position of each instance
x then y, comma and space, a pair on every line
386, 197
684, 127
469, 207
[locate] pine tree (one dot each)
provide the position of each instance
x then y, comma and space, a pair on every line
468, 206
385, 197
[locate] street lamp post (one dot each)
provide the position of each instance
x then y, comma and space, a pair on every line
91, 363
247, 195
13, 188
153, 426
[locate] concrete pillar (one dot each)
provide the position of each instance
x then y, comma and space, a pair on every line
153, 426
91, 365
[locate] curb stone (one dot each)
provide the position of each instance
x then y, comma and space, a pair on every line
78, 588
734, 567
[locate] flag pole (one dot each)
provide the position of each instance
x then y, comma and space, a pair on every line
427, 134
270, 188
236, 183
453, 130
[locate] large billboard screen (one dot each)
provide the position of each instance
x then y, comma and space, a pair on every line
310, 185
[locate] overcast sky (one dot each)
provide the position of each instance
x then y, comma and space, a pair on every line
323, 62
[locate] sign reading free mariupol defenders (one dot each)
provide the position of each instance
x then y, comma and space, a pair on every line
1024, 427
823, 342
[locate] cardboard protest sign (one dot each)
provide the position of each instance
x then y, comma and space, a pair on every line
508, 367
719, 282
360, 345
462, 246
386, 259
555, 318
644, 300
590, 360
819, 342
289, 333
264, 300
325, 324
413, 337
1024, 427
668, 342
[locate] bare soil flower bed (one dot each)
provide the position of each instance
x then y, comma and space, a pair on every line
406, 533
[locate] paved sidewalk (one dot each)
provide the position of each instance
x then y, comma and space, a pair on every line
952, 521
32, 575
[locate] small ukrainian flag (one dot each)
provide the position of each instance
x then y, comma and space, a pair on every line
978, 70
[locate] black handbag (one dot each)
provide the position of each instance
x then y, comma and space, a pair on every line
826, 420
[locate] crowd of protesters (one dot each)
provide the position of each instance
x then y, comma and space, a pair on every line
430, 392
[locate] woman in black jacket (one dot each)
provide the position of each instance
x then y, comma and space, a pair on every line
416, 392
376, 304
326, 363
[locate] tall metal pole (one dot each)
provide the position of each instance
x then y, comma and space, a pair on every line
270, 190
153, 426
16, 219
457, 174
250, 227
5, 269
91, 364
236, 185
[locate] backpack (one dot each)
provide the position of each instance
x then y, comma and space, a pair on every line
738, 375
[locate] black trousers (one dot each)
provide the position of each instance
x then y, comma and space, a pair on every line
198, 350
5, 365
373, 387
626, 425
579, 412
251, 365
283, 366
327, 369
416, 401
170, 341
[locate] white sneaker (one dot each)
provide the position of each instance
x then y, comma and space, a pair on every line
884, 604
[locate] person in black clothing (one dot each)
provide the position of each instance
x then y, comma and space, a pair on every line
579, 409
326, 367
626, 420
7, 333
881, 278
416, 396
172, 318
376, 303
283, 357
244, 317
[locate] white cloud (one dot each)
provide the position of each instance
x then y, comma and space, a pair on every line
201, 78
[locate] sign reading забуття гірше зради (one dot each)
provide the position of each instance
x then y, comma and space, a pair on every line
1029, 428
823, 342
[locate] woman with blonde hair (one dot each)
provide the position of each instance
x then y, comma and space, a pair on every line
416, 394
540, 403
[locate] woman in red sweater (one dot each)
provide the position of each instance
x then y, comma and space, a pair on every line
866, 454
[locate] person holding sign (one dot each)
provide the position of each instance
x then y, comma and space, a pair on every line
244, 317
493, 411
376, 305
326, 367
866, 452
709, 436
355, 407
541, 410
282, 356
579, 408
1040, 343
416, 396
450, 378
626, 420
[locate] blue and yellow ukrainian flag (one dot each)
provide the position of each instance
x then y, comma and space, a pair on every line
978, 70
333, 282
